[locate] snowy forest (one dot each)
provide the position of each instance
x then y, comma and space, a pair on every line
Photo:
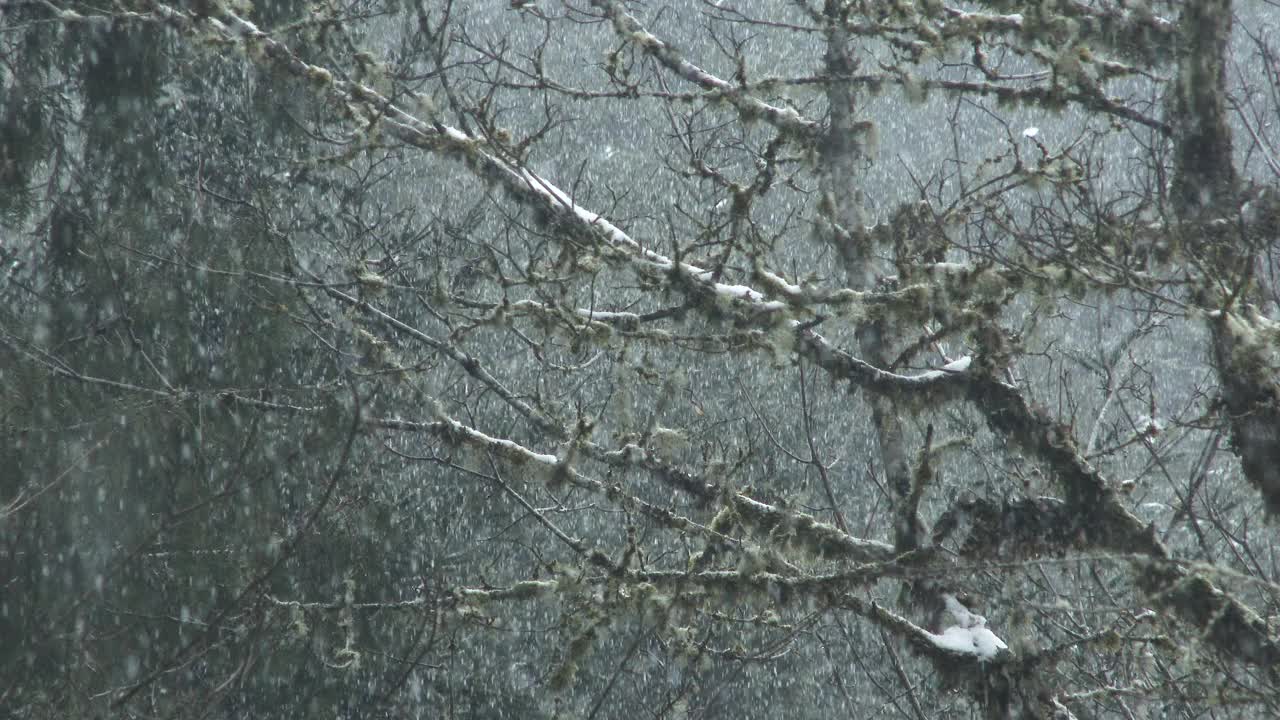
600, 358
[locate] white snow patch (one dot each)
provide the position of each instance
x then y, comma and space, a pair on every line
954, 367
781, 284
1031, 132
736, 292
605, 316
969, 635
1149, 425
510, 446
951, 268
979, 642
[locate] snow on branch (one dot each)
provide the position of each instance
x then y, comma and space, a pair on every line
909, 300
973, 643
554, 469
970, 24
949, 383
782, 526
630, 29
968, 635
817, 538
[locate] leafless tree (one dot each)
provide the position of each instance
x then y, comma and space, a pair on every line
706, 359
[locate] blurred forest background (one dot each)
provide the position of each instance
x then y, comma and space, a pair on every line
834, 358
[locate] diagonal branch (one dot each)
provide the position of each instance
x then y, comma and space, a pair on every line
748, 106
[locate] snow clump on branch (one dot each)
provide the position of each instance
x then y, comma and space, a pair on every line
969, 635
